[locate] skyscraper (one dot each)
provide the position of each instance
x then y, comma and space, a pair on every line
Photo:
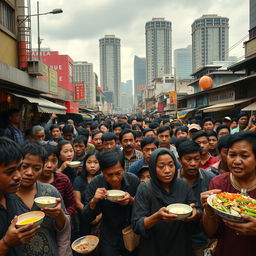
210, 40
252, 30
110, 68
83, 73
140, 76
158, 48
183, 62
126, 96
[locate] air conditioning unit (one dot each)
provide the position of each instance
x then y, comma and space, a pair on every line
35, 68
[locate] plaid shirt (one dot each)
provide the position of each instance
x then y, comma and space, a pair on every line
128, 162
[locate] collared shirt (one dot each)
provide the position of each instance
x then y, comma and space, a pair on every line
235, 130
210, 161
13, 133
136, 166
128, 162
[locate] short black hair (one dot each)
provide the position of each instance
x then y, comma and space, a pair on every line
121, 125
125, 131
81, 138
200, 134
55, 126
208, 119
94, 126
181, 128
188, 147
134, 126
104, 124
110, 158
83, 131
153, 125
95, 133
248, 136
33, 148
242, 114
223, 142
107, 136
220, 127
12, 111
147, 130
10, 151
149, 140
179, 141
212, 133
51, 149
137, 134
164, 129
68, 128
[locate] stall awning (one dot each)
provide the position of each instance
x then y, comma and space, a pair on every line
44, 106
251, 107
183, 113
224, 106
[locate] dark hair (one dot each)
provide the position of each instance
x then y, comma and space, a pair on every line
67, 129
125, 131
166, 120
12, 111
83, 131
200, 134
241, 115
175, 123
33, 148
220, 127
94, 126
51, 149
187, 147
104, 124
223, 142
208, 119
110, 158
149, 140
84, 172
121, 125
179, 141
61, 144
134, 126
164, 129
10, 151
147, 130
137, 134
181, 128
248, 136
153, 125
212, 133
107, 136
80, 138
97, 132
55, 126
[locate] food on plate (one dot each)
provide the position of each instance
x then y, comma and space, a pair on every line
28, 221
85, 244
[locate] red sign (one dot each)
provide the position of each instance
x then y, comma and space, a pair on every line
72, 107
160, 106
143, 87
79, 92
173, 96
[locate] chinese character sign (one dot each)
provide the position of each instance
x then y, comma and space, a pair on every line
79, 92
172, 96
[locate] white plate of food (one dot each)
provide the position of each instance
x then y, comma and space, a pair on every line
114, 194
85, 244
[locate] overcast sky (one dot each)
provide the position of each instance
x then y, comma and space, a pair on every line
76, 32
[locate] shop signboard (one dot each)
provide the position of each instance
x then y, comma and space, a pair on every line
221, 97
172, 96
53, 81
79, 91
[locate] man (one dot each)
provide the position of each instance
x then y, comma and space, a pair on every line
213, 143
38, 134
109, 141
193, 129
10, 179
148, 133
148, 145
80, 146
55, 132
207, 160
243, 123
222, 130
54, 234
138, 139
190, 158
208, 124
115, 215
68, 132
12, 131
131, 155
97, 140
164, 135
227, 121
154, 126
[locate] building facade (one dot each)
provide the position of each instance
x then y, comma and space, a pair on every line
252, 25
83, 73
183, 62
110, 68
210, 40
158, 48
126, 96
140, 77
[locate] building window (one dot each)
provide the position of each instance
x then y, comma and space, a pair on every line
6, 16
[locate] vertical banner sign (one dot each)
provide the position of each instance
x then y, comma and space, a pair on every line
173, 96
53, 81
79, 92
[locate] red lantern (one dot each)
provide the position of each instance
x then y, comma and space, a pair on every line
205, 82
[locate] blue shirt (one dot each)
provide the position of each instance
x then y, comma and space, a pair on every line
135, 167
13, 134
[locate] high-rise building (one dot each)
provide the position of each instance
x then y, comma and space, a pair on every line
183, 62
252, 30
126, 96
210, 40
83, 73
110, 68
140, 77
158, 48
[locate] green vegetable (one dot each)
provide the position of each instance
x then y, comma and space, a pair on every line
250, 214
250, 210
224, 200
224, 209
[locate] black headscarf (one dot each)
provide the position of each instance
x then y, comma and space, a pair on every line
159, 192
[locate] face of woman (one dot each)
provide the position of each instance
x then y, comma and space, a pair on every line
165, 168
92, 165
181, 134
241, 159
67, 153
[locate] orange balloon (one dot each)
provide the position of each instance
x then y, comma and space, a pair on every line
205, 82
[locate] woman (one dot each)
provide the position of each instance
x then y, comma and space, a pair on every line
66, 155
161, 234
234, 238
181, 132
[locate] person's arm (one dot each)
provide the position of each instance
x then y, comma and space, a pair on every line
78, 200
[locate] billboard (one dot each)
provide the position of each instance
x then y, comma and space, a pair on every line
143, 87
173, 96
79, 91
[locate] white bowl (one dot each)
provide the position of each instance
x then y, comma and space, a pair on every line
90, 243
35, 217
45, 201
114, 194
74, 164
181, 210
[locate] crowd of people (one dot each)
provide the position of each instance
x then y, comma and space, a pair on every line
155, 161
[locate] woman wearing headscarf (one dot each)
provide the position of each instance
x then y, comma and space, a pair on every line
161, 233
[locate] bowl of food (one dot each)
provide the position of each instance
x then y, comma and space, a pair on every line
114, 194
85, 244
230, 206
181, 210
45, 201
74, 164
33, 217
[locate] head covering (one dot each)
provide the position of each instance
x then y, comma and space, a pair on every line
194, 126
159, 192
227, 118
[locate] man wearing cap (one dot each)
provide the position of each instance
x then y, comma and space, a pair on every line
227, 121
192, 129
